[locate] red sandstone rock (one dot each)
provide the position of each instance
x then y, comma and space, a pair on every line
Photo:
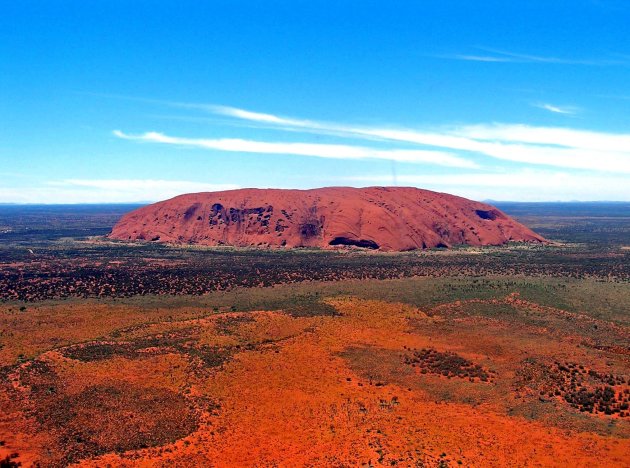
385, 218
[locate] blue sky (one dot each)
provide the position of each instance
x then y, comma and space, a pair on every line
118, 101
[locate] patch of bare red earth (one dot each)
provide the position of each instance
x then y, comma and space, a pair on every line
307, 391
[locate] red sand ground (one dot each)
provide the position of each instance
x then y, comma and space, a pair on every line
385, 218
304, 391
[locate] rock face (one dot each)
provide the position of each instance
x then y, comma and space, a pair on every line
385, 218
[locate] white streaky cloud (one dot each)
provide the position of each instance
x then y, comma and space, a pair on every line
406, 136
488, 54
566, 148
525, 185
260, 117
306, 149
135, 185
481, 58
106, 191
567, 158
557, 109
271, 118
531, 58
477, 58
613, 96
551, 136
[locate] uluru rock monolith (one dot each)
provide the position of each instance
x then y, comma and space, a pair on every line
384, 218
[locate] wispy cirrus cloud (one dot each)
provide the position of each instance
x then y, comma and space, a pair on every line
105, 190
522, 185
547, 146
497, 55
613, 143
139, 185
619, 97
330, 151
566, 110
478, 58
566, 148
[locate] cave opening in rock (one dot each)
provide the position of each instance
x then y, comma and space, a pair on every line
486, 214
364, 243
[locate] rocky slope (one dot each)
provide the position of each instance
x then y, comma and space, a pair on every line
385, 218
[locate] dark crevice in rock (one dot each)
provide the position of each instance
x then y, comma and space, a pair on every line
364, 243
487, 214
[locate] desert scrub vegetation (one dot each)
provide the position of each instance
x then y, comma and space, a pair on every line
584, 389
121, 271
447, 364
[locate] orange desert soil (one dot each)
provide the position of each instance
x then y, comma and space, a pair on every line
375, 384
384, 218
